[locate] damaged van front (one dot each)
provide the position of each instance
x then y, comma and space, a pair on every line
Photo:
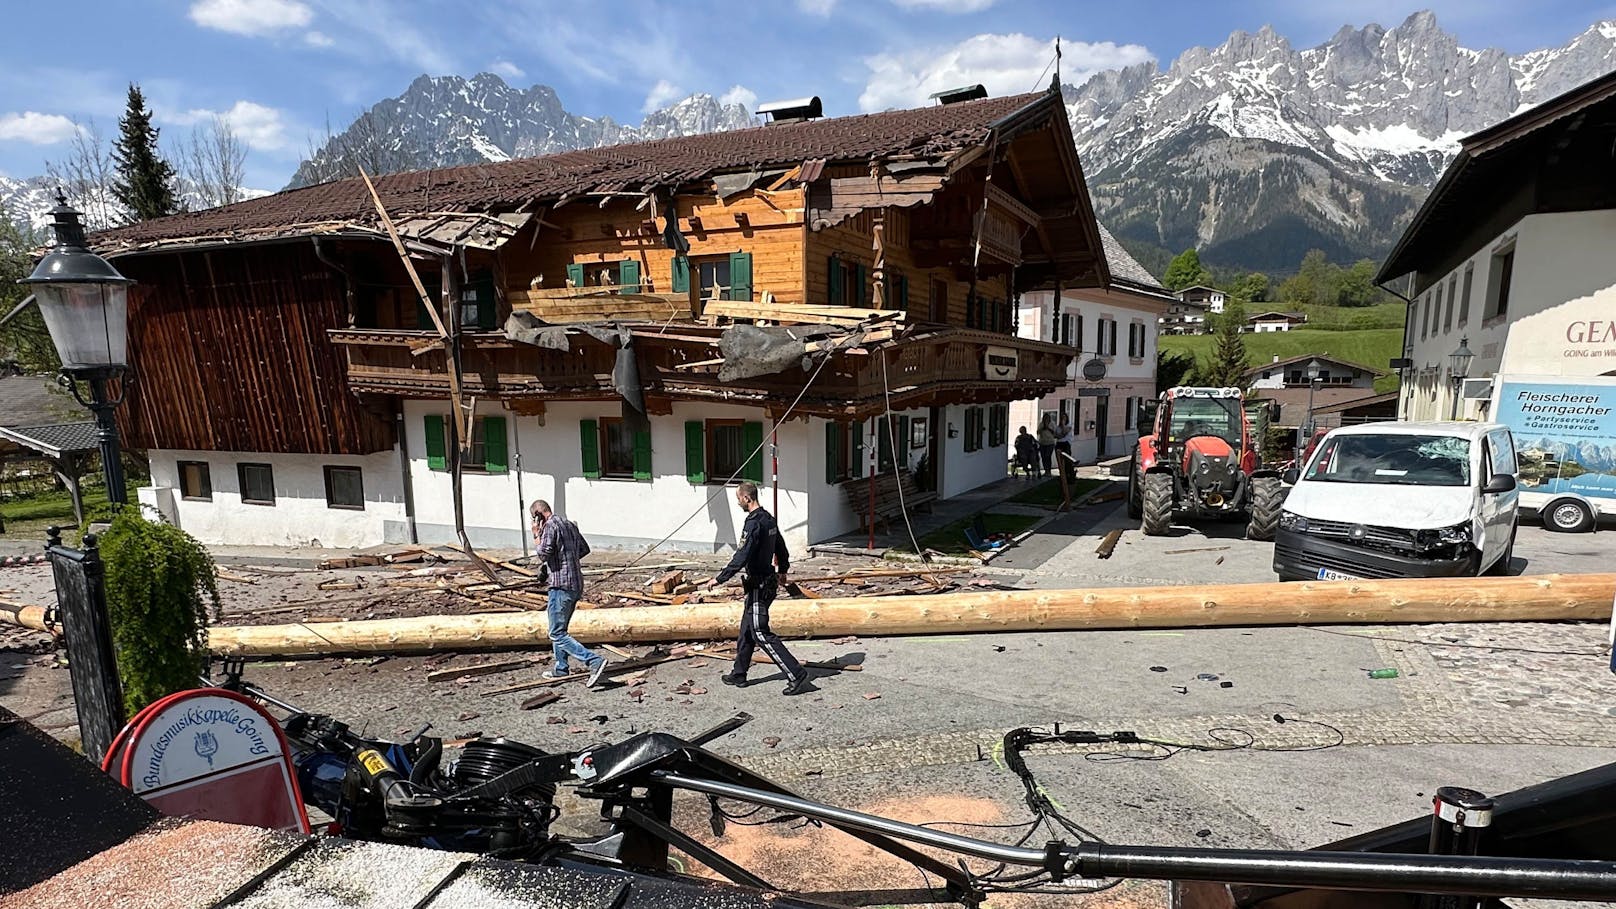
1401, 500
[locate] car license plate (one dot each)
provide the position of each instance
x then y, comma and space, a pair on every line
1330, 574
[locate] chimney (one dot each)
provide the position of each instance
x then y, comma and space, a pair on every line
957, 95
794, 111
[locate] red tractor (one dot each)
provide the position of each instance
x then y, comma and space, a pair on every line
1200, 459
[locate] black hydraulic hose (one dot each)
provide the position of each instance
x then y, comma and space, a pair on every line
1473, 875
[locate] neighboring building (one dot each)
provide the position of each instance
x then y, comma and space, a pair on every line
1113, 331
41, 423
1183, 317
1275, 321
1209, 298
1341, 384
1511, 255
294, 388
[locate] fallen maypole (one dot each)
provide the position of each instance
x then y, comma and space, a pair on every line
1536, 598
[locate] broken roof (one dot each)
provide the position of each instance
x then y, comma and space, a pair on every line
520, 184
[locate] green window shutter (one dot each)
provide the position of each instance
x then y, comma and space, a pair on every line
751, 439
628, 273
435, 459
903, 292
494, 449
589, 445
903, 442
833, 451
740, 276
695, 451
833, 282
681, 275
861, 292
575, 274
883, 446
642, 455
857, 467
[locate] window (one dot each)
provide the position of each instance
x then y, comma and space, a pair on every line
844, 445
616, 448
1128, 412
717, 451
487, 452
1503, 454
1498, 281
1447, 312
939, 301
998, 424
1398, 460
1464, 310
344, 488
257, 483
1112, 341
974, 426
847, 283
1136, 341
195, 483
1064, 334
477, 302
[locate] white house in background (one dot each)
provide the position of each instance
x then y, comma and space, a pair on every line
1114, 332
1183, 317
1209, 297
1275, 321
1512, 256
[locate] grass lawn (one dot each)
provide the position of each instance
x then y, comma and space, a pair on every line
28, 518
950, 540
1372, 347
1048, 495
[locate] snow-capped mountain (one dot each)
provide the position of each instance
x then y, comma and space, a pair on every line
442, 121
1255, 151
29, 202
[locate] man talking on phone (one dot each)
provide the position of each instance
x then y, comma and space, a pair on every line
763, 560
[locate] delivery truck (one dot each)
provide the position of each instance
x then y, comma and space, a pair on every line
1565, 440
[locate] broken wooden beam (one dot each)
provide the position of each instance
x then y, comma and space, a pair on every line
1534, 598
1108, 544
24, 615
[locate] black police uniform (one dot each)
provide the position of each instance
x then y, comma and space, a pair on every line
762, 549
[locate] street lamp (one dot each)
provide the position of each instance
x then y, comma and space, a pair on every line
1461, 370
86, 307
1313, 369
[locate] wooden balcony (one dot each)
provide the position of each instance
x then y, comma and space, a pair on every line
924, 368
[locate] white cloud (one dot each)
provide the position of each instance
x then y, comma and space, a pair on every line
816, 7
739, 94
507, 69
661, 95
947, 6
36, 128
261, 128
376, 29
318, 39
1005, 64
251, 17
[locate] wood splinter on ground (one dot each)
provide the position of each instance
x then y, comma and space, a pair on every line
1108, 545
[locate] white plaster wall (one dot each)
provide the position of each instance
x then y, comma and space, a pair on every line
1563, 270
962, 470
300, 516
612, 513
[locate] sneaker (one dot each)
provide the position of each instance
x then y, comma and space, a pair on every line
552, 674
730, 678
596, 671
797, 685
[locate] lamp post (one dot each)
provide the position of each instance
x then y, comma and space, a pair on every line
86, 307
1461, 370
1313, 369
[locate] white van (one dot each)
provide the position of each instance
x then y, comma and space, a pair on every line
1401, 500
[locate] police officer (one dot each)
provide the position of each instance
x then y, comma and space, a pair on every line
764, 559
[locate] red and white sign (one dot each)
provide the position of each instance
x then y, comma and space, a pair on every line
210, 753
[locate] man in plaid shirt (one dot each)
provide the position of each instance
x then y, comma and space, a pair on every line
560, 547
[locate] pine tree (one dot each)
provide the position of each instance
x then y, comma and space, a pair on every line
145, 182
1229, 358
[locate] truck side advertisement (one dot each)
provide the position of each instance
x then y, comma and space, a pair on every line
1565, 435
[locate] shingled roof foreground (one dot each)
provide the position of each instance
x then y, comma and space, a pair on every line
508, 185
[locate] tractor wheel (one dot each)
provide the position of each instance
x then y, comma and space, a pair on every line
1156, 504
1267, 496
1135, 507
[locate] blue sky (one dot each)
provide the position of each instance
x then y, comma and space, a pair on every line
280, 69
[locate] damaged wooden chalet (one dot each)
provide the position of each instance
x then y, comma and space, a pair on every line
616, 330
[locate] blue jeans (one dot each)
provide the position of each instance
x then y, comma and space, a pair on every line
562, 603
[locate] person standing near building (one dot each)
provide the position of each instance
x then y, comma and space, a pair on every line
560, 546
1063, 447
764, 560
1046, 441
1027, 452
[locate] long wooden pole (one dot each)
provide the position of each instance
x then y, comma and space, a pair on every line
1538, 598
24, 615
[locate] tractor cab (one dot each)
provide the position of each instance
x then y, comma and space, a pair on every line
1200, 458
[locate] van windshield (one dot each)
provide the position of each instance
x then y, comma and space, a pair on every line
1396, 460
